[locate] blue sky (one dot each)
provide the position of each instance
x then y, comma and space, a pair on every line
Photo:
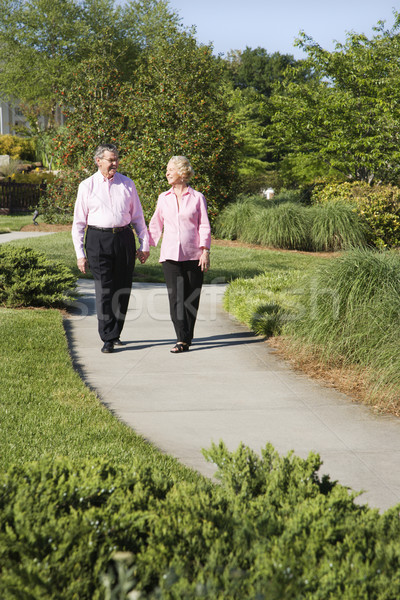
274, 24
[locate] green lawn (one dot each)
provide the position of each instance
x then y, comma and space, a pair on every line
15, 222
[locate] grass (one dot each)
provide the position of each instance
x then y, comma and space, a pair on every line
352, 316
340, 318
335, 225
46, 409
268, 291
10, 223
227, 263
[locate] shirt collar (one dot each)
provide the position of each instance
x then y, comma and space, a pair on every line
171, 191
101, 177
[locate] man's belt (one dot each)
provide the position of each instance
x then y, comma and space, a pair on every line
109, 229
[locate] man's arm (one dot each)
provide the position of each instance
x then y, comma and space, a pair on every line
78, 229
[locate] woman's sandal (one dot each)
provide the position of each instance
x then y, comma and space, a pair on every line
179, 347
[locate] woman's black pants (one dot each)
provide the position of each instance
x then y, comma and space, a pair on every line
111, 258
184, 280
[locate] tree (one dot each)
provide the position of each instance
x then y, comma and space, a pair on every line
174, 106
250, 113
44, 41
258, 69
178, 107
348, 116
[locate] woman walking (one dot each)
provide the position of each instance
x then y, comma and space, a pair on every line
181, 215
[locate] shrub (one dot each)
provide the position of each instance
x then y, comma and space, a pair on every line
336, 226
57, 205
17, 147
379, 207
273, 528
28, 278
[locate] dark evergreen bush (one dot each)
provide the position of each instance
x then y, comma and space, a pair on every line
272, 529
29, 278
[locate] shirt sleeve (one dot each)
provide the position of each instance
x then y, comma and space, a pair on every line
80, 221
204, 224
138, 222
156, 225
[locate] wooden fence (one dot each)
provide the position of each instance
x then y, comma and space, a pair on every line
19, 197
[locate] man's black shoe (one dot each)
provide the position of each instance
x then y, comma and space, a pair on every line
108, 347
117, 342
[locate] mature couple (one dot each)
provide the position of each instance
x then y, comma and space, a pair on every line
106, 209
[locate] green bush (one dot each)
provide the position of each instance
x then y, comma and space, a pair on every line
271, 529
28, 278
378, 206
17, 147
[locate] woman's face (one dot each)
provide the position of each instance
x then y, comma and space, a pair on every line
172, 174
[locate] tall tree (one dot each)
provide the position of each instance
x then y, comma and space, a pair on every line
175, 105
42, 42
178, 107
349, 115
258, 69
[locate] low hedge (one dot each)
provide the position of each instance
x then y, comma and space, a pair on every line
272, 529
29, 278
378, 206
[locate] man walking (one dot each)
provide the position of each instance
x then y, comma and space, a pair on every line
106, 207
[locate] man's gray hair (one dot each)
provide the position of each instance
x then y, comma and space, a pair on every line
103, 148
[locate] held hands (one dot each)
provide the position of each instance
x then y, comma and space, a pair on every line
204, 261
142, 256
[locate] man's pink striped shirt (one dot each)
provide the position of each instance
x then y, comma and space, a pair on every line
107, 203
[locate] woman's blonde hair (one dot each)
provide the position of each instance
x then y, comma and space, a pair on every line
183, 166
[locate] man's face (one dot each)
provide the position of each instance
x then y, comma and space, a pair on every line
108, 165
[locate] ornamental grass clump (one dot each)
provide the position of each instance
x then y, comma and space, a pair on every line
336, 226
352, 315
230, 223
289, 226
29, 278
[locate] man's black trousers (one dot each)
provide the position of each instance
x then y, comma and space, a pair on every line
184, 280
111, 258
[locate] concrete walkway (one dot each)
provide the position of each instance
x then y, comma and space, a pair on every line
21, 235
230, 386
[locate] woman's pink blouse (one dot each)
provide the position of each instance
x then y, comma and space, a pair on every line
186, 230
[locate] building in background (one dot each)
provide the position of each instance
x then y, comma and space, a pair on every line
11, 118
